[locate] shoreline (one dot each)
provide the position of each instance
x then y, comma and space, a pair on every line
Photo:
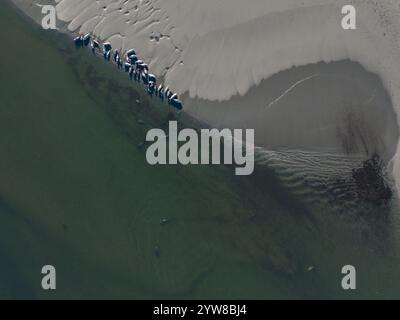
211, 59
340, 108
249, 111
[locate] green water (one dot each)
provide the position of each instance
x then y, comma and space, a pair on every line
76, 192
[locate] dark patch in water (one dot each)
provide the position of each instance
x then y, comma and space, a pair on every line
370, 182
366, 183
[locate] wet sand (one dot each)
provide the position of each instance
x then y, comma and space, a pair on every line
337, 107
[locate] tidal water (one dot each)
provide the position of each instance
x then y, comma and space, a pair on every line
76, 192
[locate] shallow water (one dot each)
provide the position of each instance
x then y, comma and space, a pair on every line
336, 107
76, 192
